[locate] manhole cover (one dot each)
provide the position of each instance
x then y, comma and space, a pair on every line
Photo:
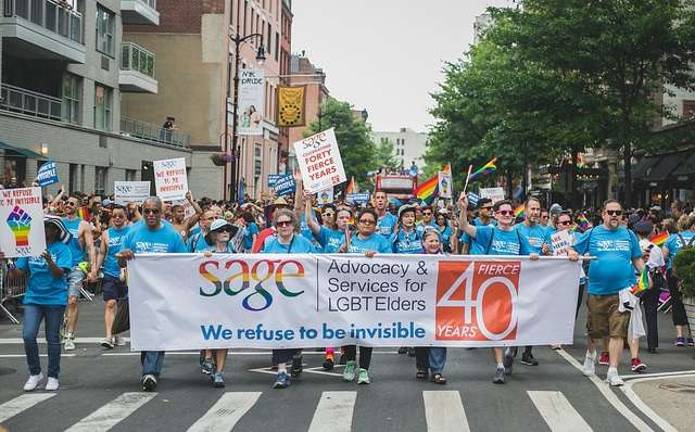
7, 371
678, 388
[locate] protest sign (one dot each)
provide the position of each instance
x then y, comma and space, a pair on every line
189, 301
319, 161
21, 218
251, 101
495, 194
561, 242
325, 196
282, 184
48, 174
170, 179
445, 184
357, 198
125, 192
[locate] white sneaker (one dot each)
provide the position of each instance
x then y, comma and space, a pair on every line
589, 367
69, 343
119, 340
33, 382
52, 384
614, 380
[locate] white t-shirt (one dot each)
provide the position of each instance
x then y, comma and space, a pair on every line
656, 256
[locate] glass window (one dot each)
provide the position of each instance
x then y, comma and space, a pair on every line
100, 180
130, 175
72, 86
103, 100
105, 31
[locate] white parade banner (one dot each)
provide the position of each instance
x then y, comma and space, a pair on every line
21, 218
251, 101
125, 192
170, 179
189, 301
319, 161
495, 194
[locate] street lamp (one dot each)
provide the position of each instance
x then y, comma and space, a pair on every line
260, 59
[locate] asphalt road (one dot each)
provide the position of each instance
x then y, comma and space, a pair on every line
100, 391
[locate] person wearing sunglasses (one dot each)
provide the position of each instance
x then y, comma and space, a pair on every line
502, 239
427, 219
616, 250
151, 236
288, 240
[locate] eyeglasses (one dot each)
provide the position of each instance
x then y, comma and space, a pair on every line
151, 211
367, 221
614, 212
505, 212
564, 222
427, 213
71, 203
544, 216
283, 223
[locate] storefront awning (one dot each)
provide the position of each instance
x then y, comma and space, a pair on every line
687, 168
640, 170
664, 168
22, 151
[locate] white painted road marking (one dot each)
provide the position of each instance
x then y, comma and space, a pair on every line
639, 403
112, 413
444, 412
15, 406
334, 412
557, 412
226, 412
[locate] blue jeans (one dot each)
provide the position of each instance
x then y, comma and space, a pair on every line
437, 359
53, 316
152, 362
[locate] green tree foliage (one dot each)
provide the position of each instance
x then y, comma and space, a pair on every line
357, 149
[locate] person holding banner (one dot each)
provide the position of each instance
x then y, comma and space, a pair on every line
45, 299
151, 236
287, 241
485, 218
407, 239
502, 239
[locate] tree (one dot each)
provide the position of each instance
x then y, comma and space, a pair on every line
357, 149
385, 157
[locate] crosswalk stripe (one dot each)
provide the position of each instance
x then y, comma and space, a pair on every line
226, 412
15, 406
444, 411
112, 413
557, 411
334, 412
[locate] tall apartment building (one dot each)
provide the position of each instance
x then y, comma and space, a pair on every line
195, 64
408, 145
65, 68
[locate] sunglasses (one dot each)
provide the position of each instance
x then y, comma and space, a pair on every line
486, 208
564, 222
614, 212
225, 229
283, 223
505, 212
367, 221
427, 213
328, 214
71, 203
151, 211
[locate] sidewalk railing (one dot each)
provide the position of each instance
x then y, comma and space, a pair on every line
136, 58
11, 288
54, 16
147, 131
17, 99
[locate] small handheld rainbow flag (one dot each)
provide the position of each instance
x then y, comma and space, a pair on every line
486, 169
520, 210
428, 188
642, 283
583, 223
660, 239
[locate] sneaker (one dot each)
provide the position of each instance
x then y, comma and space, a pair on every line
637, 365
556, 347
296, 369
363, 376
218, 380
528, 360
603, 359
52, 384
614, 380
680, 341
149, 383
33, 382
119, 340
207, 367
691, 342
349, 371
508, 361
69, 343
589, 366
282, 380
107, 343
402, 350
499, 376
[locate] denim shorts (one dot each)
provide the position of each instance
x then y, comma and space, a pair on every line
75, 279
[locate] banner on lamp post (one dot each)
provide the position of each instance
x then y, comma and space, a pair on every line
251, 101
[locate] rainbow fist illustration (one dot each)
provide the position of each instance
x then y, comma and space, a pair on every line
20, 224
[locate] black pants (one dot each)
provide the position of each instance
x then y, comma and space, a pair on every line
677, 308
579, 299
650, 300
284, 355
422, 358
365, 355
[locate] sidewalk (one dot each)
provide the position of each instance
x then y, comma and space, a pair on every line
672, 399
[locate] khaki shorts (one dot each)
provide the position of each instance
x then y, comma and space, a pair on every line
604, 318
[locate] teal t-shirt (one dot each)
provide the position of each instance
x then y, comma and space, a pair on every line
375, 243
536, 235
494, 241
43, 288
110, 266
165, 239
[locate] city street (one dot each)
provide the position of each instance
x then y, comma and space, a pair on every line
99, 391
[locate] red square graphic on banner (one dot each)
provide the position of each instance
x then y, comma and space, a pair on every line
477, 300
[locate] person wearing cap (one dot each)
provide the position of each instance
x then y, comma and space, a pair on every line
407, 239
218, 241
45, 300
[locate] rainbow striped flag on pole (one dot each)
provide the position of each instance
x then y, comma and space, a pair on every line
642, 283
426, 190
660, 238
486, 169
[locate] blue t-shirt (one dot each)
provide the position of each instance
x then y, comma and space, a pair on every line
407, 242
375, 242
298, 244
250, 231
614, 250
73, 225
110, 265
420, 227
494, 241
536, 235
331, 240
675, 244
213, 249
445, 237
165, 239
197, 242
474, 247
42, 287
385, 225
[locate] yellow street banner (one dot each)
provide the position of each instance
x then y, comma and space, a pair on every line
291, 106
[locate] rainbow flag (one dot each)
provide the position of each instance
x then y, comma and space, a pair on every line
83, 213
642, 283
520, 211
428, 188
583, 223
660, 239
486, 169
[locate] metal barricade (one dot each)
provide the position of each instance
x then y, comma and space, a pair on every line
12, 287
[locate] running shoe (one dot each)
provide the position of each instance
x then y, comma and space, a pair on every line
218, 380
691, 342
149, 383
589, 366
363, 376
69, 342
349, 371
33, 382
614, 380
603, 359
680, 341
282, 380
107, 343
119, 340
207, 367
508, 361
499, 376
528, 359
637, 366
52, 384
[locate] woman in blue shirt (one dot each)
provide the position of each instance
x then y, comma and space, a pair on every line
445, 231
672, 246
407, 239
45, 299
287, 241
330, 235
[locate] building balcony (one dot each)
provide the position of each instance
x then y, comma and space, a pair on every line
137, 70
153, 133
27, 102
139, 12
42, 29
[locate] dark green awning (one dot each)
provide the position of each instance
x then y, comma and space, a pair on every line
22, 151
